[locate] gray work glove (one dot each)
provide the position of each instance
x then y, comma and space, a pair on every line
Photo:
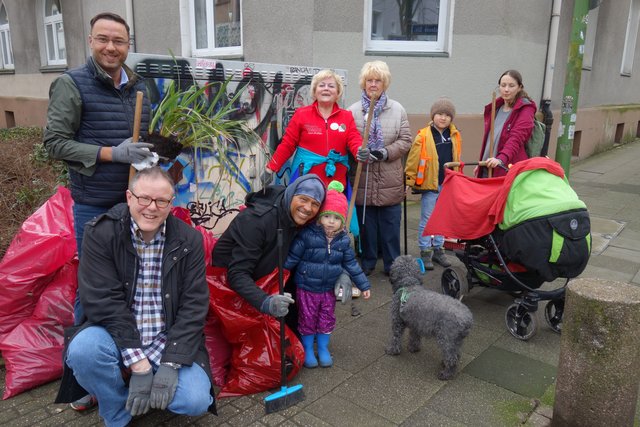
164, 386
363, 155
131, 152
379, 155
266, 178
139, 389
344, 283
277, 305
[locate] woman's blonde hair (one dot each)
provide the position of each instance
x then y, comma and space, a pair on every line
325, 74
375, 69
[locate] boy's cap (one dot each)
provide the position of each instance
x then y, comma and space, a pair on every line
335, 202
443, 105
313, 188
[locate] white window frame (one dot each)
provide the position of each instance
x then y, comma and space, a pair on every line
52, 22
209, 51
590, 38
400, 47
631, 38
5, 43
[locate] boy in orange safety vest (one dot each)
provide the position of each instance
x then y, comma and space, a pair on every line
438, 143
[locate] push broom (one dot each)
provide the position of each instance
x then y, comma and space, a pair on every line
286, 396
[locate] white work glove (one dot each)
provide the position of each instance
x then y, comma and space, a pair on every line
343, 283
131, 152
277, 305
363, 155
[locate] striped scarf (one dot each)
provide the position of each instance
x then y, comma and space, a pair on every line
376, 138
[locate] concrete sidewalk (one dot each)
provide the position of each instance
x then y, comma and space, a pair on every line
502, 381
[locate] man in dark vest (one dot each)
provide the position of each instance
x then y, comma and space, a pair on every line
90, 124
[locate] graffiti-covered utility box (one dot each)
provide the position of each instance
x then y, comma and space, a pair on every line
265, 96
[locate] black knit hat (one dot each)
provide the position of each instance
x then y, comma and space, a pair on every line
443, 105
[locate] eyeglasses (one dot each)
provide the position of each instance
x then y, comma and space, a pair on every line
146, 201
102, 40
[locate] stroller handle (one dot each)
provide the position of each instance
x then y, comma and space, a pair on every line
482, 164
451, 165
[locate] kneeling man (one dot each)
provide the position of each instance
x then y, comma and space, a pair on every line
145, 297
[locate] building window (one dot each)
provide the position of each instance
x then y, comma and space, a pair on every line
590, 38
54, 33
631, 38
216, 27
407, 26
6, 51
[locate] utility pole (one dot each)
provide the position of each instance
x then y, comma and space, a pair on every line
573, 74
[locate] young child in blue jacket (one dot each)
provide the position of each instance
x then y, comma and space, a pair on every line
320, 253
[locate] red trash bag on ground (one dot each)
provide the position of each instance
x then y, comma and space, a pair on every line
44, 243
254, 337
33, 350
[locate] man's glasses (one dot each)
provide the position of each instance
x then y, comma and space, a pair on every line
102, 40
146, 201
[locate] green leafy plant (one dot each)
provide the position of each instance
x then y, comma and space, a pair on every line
193, 120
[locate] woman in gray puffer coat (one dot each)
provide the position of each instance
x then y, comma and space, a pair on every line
389, 141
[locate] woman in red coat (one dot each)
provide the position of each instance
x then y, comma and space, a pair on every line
320, 134
513, 125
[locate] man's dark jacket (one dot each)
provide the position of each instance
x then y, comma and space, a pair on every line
249, 248
107, 279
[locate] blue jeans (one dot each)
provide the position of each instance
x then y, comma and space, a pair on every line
428, 203
381, 228
81, 215
96, 363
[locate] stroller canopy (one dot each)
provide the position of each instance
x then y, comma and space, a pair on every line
469, 208
537, 193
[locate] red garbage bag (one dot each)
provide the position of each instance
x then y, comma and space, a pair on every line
33, 350
44, 243
218, 347
254, 337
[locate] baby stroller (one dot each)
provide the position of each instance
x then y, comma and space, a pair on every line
514, 233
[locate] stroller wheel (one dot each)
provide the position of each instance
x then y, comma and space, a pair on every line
553, 314
520, 322
454, 283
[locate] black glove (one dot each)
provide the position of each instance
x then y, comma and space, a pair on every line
277, 305
129, 152
343, 283
363, 155
379, 155
164, 386
139, 389
266, 178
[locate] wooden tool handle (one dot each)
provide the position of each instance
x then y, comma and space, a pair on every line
365, 140
137, 118
491, 129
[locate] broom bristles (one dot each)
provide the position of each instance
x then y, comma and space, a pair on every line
283, 399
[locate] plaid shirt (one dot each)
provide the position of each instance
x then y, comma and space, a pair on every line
147, 301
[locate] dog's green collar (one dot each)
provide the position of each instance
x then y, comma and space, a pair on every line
404, 295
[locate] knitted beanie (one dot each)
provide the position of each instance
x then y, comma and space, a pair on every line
335, 202
443, 105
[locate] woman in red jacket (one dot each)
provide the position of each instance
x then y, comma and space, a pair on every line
513, 125
320, 134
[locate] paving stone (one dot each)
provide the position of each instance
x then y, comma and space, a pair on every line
520, 374
537, 420
338, 411
427, 417
473, 402
394, 386
305, 418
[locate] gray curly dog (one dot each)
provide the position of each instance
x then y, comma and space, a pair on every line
425, 313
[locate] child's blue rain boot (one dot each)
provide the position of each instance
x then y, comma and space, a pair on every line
310, 360
323, 350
